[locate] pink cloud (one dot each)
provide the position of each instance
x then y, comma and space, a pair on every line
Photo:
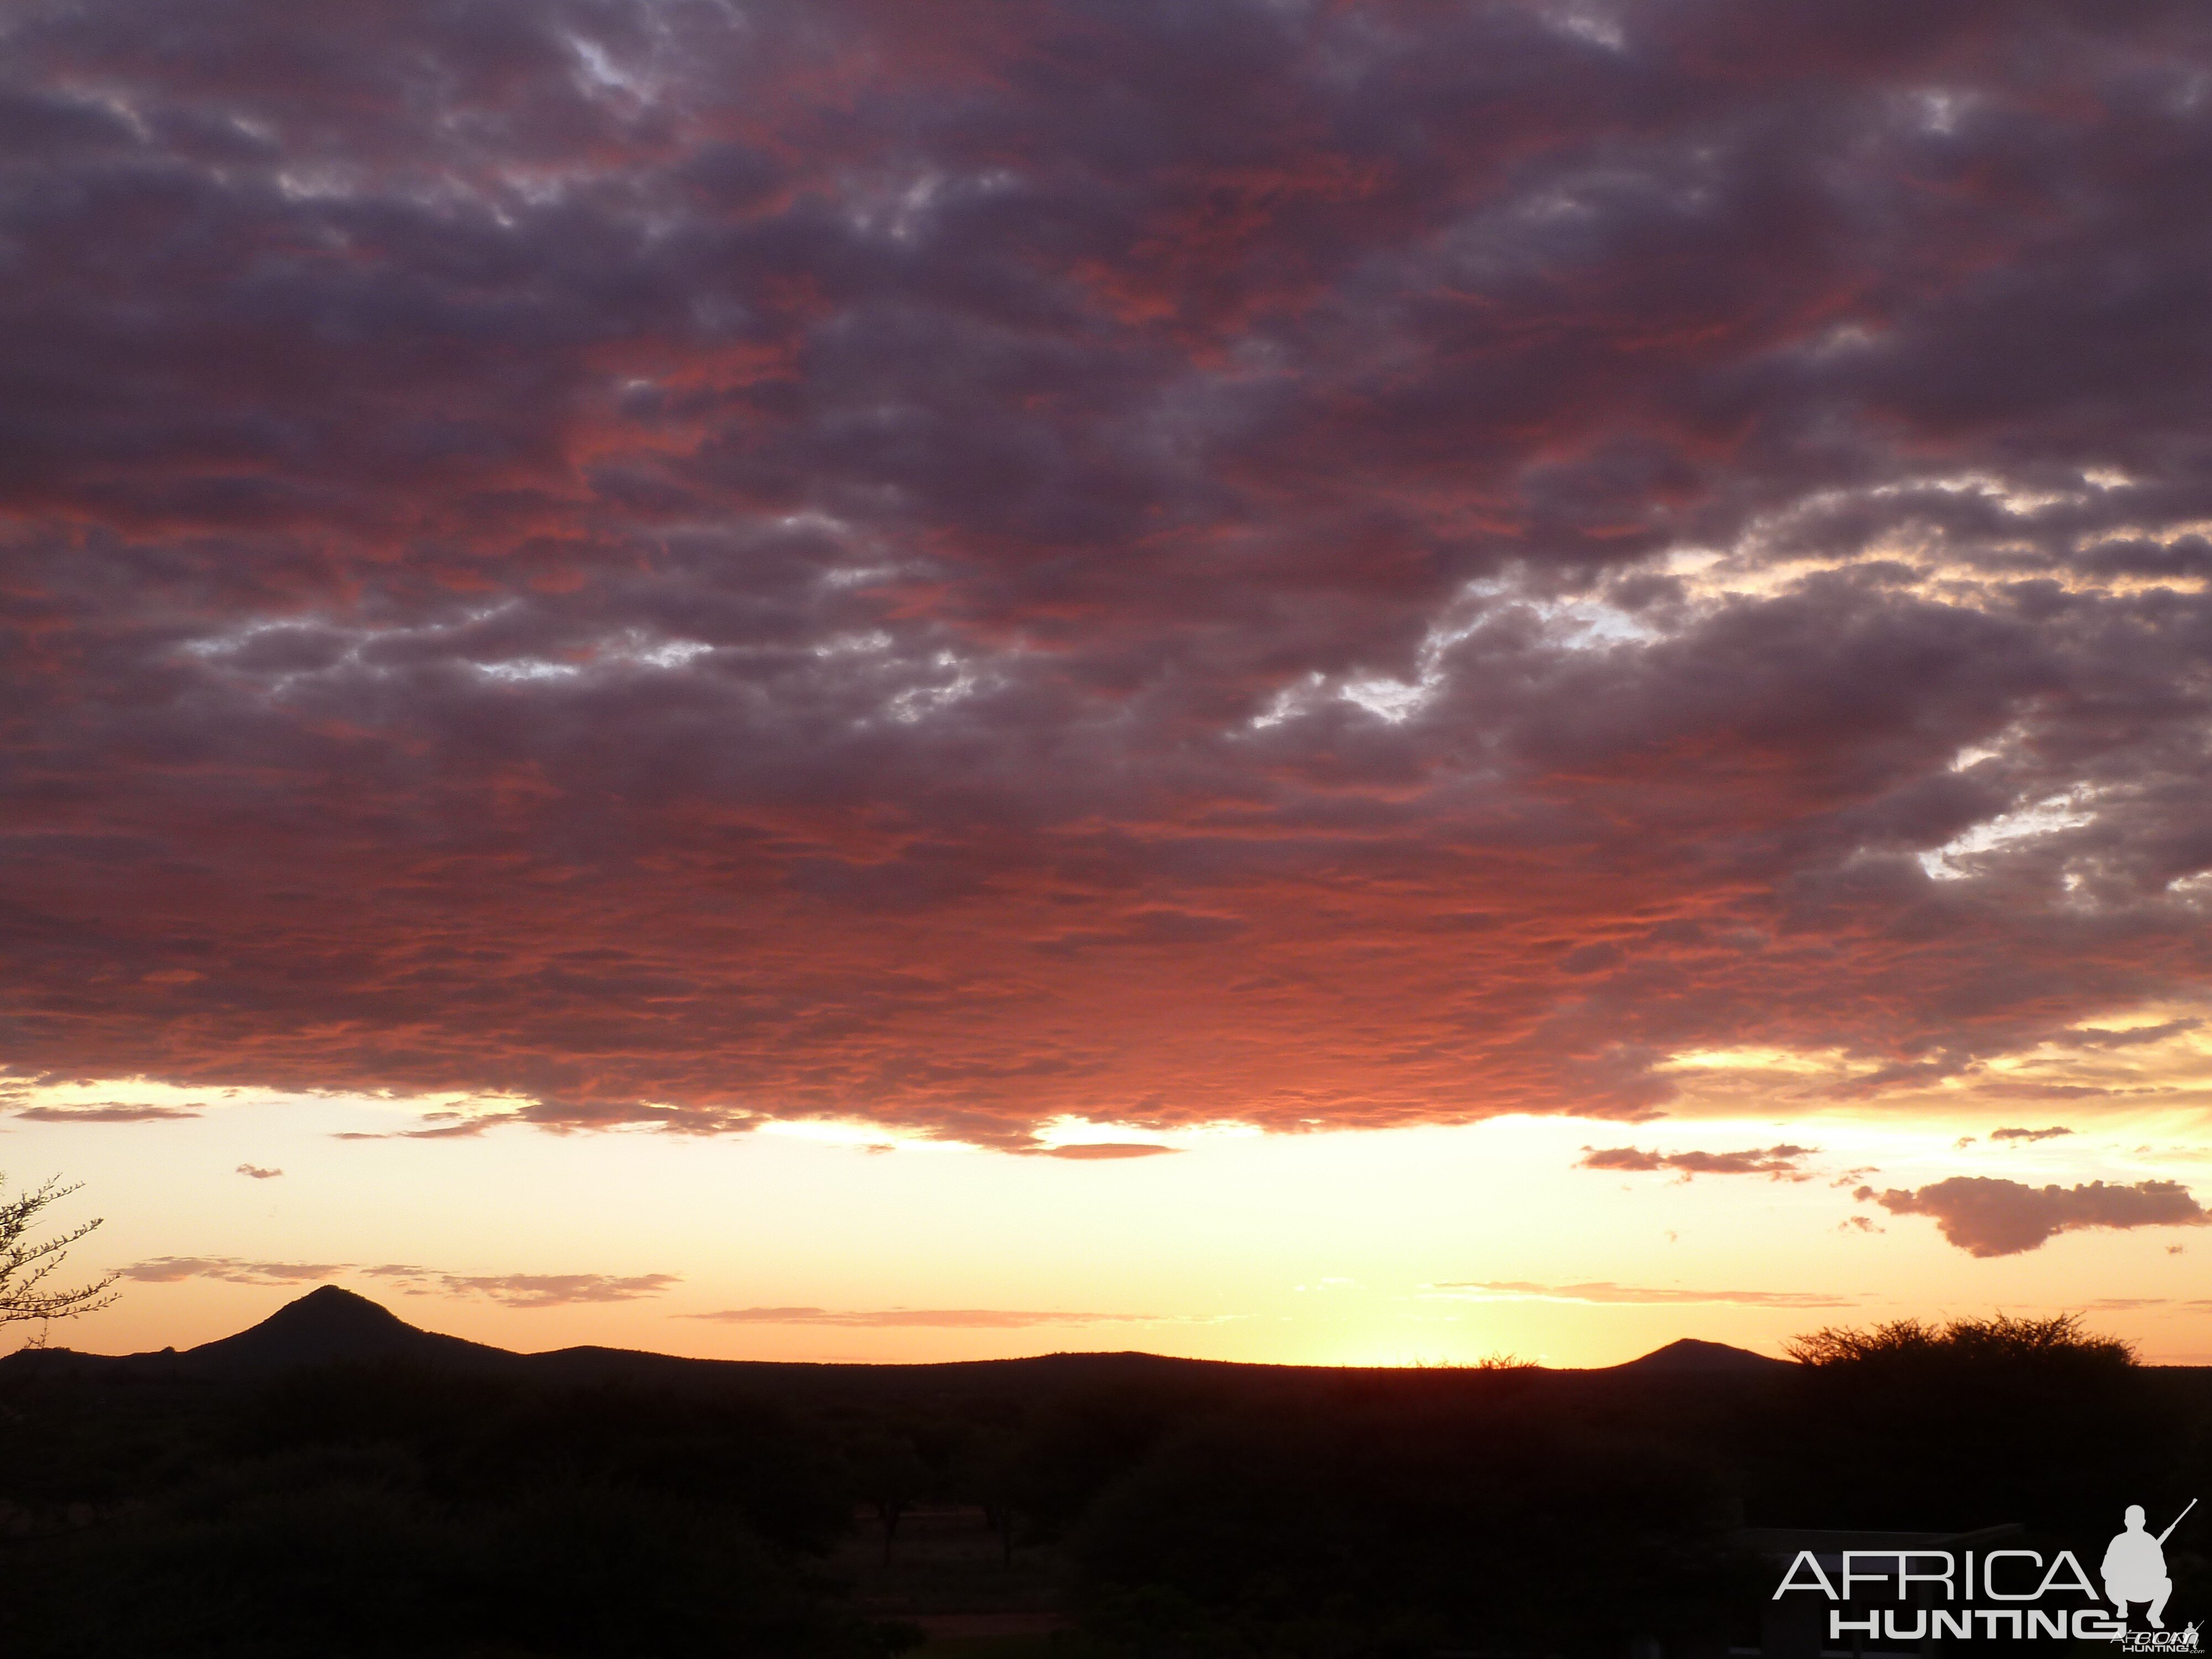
172, 1269
1607, 1291
1781, 1162
1987, 1217
943, 1318
107, 1111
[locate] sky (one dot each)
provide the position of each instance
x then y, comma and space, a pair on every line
1351, 683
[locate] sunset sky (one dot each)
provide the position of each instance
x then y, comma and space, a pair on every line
1335, 682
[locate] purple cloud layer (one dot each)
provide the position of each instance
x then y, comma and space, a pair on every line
1330, 565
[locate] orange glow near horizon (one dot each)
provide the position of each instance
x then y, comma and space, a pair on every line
1436, 1246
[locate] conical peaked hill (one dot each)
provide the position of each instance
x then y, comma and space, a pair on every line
1691, 1356
329, 1325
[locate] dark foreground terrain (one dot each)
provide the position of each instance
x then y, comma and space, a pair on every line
334, 1482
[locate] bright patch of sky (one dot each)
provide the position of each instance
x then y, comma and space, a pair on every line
1568, 624
2048, 817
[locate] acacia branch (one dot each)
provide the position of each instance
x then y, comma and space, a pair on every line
26, 1264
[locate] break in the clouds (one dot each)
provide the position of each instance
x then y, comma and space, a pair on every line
1986, 1216
1316, 565
1782, 1163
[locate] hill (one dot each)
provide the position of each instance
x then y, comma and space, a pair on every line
329, 1325
1689, 1357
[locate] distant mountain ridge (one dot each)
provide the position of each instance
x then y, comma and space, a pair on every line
330, 1325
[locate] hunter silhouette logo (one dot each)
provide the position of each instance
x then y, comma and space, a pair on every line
2134, 1566
1928, 1584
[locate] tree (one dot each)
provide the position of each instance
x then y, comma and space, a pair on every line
26, 1264
2000, 1338
1922, 1425
889, 1474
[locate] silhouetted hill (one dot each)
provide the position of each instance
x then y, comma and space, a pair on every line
1691, 1355
329, 1325
335, 1480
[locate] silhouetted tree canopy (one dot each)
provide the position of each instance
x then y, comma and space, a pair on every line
1910, 1425
1997, 1340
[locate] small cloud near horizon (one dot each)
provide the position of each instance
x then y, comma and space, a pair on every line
1105, 1149
258, 1172
525, 1289
1782, 1163
1985, 1216
172, 1269
512, 1290
1514, 1290
108, 1111
942, 1318
2051, 1133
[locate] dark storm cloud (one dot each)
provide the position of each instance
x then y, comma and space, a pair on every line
1783, 1163
1315, 565
1984, 1216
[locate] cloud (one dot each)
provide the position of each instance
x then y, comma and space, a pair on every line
258, 1172
1127, 563
1782, 1163
170, 1269
514, 1290
106, 1111
1504, 1289
992, 1319
2134, 1036
527, 1289
1106, 1148
1987, 1217
2030, 1134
